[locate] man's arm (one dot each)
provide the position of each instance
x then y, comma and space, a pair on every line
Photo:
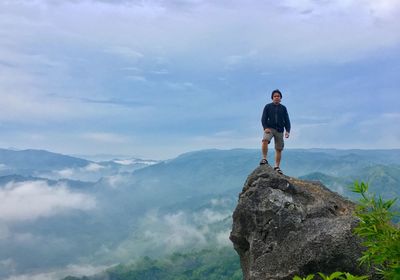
287, 123
264, 118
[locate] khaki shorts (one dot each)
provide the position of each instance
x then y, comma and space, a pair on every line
278, 138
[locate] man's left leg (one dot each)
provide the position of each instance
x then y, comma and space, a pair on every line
279, 144
278, 156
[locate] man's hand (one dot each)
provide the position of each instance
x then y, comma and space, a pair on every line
287, 134
267, 130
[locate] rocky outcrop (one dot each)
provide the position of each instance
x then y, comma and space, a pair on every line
283, 227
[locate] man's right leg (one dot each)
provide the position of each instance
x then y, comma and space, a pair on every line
264, 148
278, 156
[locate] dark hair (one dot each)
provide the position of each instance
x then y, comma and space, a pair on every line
275, 91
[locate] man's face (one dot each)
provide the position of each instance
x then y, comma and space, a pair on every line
276, 98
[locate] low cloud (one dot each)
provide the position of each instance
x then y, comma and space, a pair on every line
222, 238
95, 171
209, 216
93, 167
28, 201
116, 180
65, 173
221, 202
164, 233
175, 231
91, 172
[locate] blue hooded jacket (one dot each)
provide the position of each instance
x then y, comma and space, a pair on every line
275, 116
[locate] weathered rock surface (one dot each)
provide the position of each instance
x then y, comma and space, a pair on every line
284, 227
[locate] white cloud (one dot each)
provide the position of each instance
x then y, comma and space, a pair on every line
124, 161
88, 172
125, 52
208, 216
65, 173
136, 78
176, 231
105, 137
234, 61
29, 201
383, 9
91, 172
130, 161
220, 202
222, 238
115, 180
79, 173
269, 29
93, 167
160, 72
386, 9
163, 233
180, 86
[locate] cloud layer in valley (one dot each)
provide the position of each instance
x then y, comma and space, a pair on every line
28, 201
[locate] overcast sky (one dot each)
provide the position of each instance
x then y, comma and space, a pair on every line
158, 78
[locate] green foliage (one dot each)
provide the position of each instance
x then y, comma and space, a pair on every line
380, 235
309, 277
334, 275
341, 275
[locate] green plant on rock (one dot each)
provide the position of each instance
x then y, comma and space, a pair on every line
341, 275
380, 235
334, 275
309, 277
353, 277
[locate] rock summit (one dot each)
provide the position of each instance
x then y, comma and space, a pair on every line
284, 226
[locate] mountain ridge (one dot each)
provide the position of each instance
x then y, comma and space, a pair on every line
139, 209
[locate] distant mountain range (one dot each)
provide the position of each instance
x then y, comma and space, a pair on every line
99, 213
40, 163
37, 160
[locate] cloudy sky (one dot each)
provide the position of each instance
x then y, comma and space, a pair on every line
157, 78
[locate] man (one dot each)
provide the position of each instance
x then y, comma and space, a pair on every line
275, 119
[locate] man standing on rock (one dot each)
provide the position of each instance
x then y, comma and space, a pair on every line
275, 119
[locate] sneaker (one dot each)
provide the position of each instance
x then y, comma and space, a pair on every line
263, 161
277, 169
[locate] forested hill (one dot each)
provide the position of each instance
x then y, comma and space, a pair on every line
210, 264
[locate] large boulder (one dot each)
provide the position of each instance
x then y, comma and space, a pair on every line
284, 226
